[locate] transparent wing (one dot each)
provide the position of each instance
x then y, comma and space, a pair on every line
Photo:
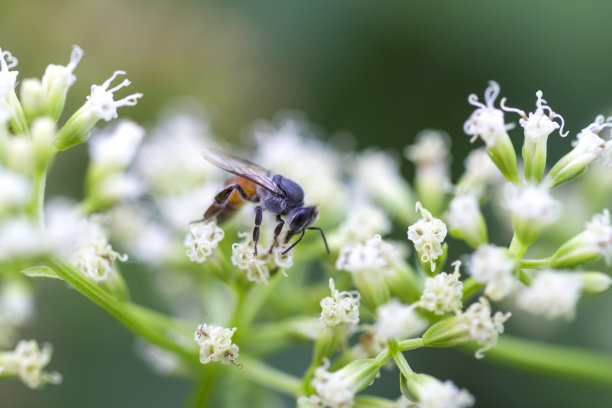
242, 167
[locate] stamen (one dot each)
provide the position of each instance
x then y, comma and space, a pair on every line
107, 83
473, 100
75, 57
502, 105
491, 93
7, 61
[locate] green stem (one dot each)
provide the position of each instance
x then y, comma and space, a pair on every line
399, 358
260, 373
525, 278
36, 206
517, 248
203, 386
567, 362
410, 344
154, 330
535, 263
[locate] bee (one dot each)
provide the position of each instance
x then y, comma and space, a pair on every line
272, 192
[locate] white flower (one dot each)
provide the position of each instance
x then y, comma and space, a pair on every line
480, 171
361, 223
216, 344
427, 234
438, 394
598, 235
161, 360
179, 209
258, 266
443, 292
101, 100
380, 175
15, 190
538, 125
534, 204
394, 319
58, 77
118, 148
358, 257
486, 121
93, 255
8, 78
176, 147
481, 326
552, 294
202, 239
335, 390
16, 302
28, 361
465, 220
143, 237
119, 187
431, 148
21, 238
495, 267
340, 308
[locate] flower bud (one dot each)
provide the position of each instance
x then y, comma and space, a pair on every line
366, 263
429, 392
587, 148
594, 282
32, 98
430, 154
56, 81
100, 105
591, 244
465, 221
532, 209
494, 266
487, 122
475, 324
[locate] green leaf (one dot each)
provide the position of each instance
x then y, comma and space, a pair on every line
40, 271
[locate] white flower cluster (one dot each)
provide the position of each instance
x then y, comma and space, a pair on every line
16, 308
443, 292
202, 239
93, 255
334, 390
539, 124
534, 204
361, 223
598, 235
443, 394
481, 326
216, 344
495, 267
552, 294
480, 172
258, 266
397, 320
427, 234
486, 122
340, 307
371, 255
28, 361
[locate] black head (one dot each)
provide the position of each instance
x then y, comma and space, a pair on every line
294, 195
301, 218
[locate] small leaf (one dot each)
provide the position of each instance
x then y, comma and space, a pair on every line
40, 271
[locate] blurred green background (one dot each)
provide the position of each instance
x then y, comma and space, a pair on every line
380, 70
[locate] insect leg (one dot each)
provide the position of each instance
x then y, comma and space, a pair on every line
221, 201
295, 243
277, 231
322, 236
258, 218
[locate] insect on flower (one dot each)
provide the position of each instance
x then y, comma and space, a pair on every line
273, 192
